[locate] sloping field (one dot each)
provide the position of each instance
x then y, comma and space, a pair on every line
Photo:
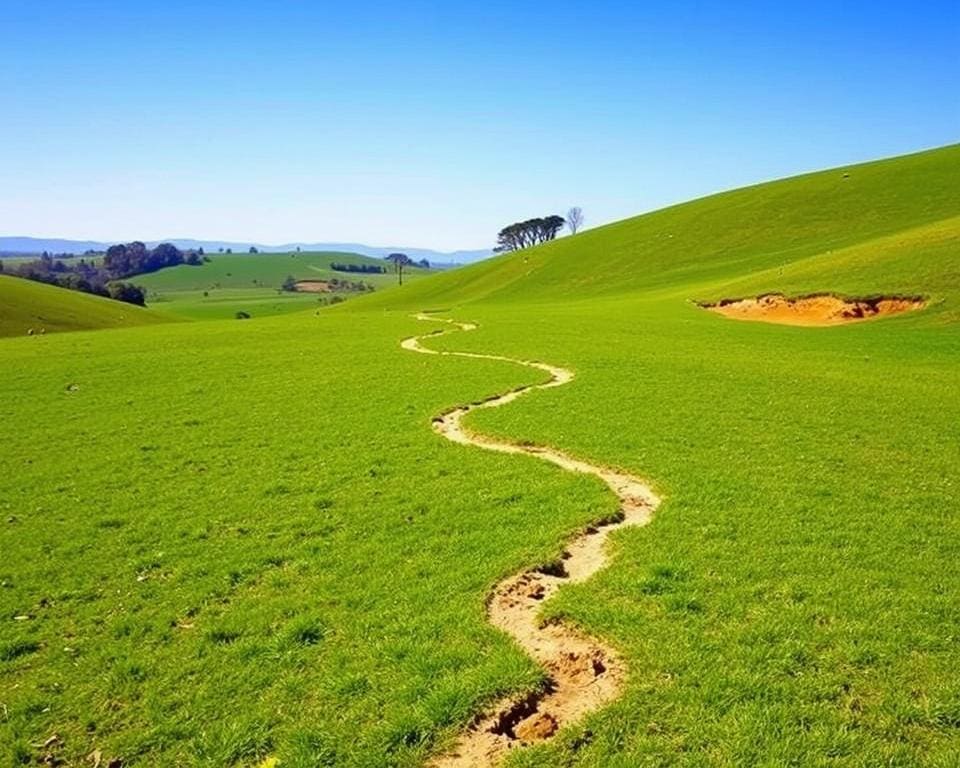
250, 282
26, 306
735, 235
266, 551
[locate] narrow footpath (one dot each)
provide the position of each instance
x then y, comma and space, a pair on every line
584, 674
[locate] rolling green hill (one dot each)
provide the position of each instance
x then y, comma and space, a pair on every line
267, 552
732, 235
250, 282
26, 305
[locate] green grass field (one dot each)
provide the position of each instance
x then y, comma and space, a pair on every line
229, 283
226, 542
26, 306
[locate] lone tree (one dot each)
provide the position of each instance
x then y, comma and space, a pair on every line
574, 219
524, 234
400, 260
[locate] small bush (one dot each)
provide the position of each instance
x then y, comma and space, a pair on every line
132, 294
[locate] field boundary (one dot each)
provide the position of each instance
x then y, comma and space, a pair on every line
584, 674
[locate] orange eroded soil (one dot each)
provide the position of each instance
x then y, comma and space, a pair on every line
584, 674
812, 310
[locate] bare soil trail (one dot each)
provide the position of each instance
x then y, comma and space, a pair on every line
584, 674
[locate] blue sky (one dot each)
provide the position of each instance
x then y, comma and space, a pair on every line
433, 124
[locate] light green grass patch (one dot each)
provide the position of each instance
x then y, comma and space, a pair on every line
29, 306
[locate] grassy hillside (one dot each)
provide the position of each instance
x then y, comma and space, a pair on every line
729, 235
267, 552
26, 305
794, 600
250, 282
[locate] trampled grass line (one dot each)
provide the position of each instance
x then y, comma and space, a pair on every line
584, 674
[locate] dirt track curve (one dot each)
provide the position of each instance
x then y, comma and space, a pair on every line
584, 674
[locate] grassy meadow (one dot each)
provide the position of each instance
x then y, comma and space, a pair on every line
229, 542
28, 306
231, 283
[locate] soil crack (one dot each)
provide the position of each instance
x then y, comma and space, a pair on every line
584, 674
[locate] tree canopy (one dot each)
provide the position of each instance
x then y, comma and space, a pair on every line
400, 260
120, 261
524, 234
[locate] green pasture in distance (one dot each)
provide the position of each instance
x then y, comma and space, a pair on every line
231, 283
225, 303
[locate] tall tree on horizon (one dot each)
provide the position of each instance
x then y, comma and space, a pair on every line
400, 260
575, 219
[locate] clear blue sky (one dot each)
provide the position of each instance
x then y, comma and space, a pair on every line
434, 123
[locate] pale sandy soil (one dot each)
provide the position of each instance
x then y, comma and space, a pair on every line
584, 673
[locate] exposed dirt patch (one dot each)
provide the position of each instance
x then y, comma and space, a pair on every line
312, 286
584, 674
818, 310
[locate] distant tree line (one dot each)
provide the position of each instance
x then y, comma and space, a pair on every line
365, 268
136, 259
524, 234
107, 278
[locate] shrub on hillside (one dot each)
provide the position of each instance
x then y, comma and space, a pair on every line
128, 292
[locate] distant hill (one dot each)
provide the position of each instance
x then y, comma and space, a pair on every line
243, 271
26, 305
19, 245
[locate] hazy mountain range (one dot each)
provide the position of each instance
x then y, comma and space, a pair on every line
14, 245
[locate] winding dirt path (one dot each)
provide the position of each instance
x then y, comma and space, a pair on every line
584, 674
